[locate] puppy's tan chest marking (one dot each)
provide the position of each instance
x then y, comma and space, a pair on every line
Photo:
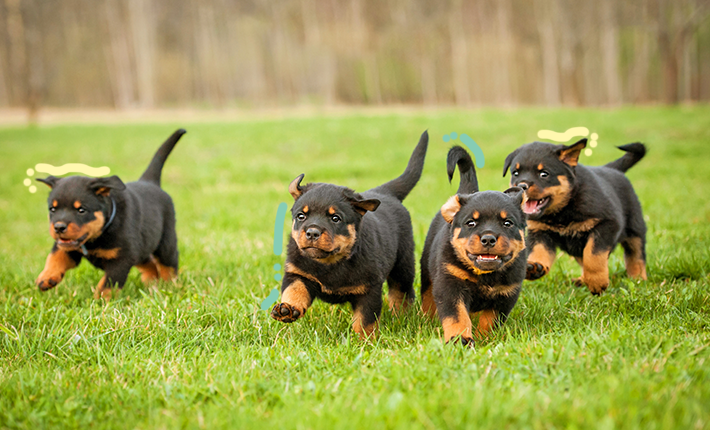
490, 291
341, 291
105, 254
572, 229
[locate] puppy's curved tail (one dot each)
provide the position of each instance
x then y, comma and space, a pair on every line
402, 185
152, 173
634, 153
460, 157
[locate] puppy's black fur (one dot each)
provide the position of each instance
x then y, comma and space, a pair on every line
113, 225
474, 258
344, 245
585, 211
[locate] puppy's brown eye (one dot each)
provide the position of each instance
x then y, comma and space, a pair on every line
515, 173
81, 210
52, 209
335, 218
471, 223
301, 216
544, 174
508, 223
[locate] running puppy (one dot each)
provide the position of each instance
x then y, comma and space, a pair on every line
113, 225
344, 245
474, 257
585, 211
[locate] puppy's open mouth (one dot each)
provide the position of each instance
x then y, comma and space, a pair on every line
489, 262
317, 253
535, 206
71, 243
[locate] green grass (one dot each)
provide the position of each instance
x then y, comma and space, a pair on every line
200, 353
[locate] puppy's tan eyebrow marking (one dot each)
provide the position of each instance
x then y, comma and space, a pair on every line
331, 210
55, 203
305, 209
77, 204
476, 215
517, 165
539, 166
503, 214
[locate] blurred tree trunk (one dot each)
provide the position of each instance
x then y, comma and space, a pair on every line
610, 51
119, 63
142, 18
504, 59
459, 55
544, 10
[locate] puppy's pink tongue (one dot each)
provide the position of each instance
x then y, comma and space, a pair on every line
531, 206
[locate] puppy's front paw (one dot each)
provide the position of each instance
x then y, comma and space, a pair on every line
286, 313
535, 271
465, 341
48, 280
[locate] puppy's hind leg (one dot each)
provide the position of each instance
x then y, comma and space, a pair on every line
400, 282
166, 256
635, 256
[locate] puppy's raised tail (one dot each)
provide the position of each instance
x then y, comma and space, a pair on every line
460, 157
152, 173
402, 185
634, 153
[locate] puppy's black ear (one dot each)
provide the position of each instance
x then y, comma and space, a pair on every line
452, 207
103, 186
508, 160
362, 206
518, 195
570, 154
295, 187
51, 181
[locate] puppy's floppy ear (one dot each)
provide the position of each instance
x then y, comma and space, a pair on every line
51, 181
570, 154
508, 160
103, 186
362, 206
452, 207
518, 195
295, 187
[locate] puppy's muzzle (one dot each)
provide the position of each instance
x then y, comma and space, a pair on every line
313, 234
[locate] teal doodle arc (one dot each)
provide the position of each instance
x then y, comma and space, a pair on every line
278, 249
470, 144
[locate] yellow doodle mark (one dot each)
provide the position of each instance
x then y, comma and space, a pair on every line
72, 167
563, 137
569, 134
63, 170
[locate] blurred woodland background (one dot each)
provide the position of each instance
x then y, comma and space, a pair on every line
133, 54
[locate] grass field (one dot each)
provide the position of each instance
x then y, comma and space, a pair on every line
201, 354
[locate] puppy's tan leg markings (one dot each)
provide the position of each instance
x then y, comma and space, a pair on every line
58, 262
295, 300
428, 304
458, 325
102, 290
396, 300
541, 256
363, 330
486, 322
595, 268
633, 258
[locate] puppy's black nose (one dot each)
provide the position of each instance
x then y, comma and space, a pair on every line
488, 240
523, 185
312, 234
60, 227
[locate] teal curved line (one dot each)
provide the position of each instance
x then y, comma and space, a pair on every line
473, 147
279, 228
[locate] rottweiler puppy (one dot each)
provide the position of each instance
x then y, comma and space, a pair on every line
474, 257
113, 225
344, 245
586, 211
